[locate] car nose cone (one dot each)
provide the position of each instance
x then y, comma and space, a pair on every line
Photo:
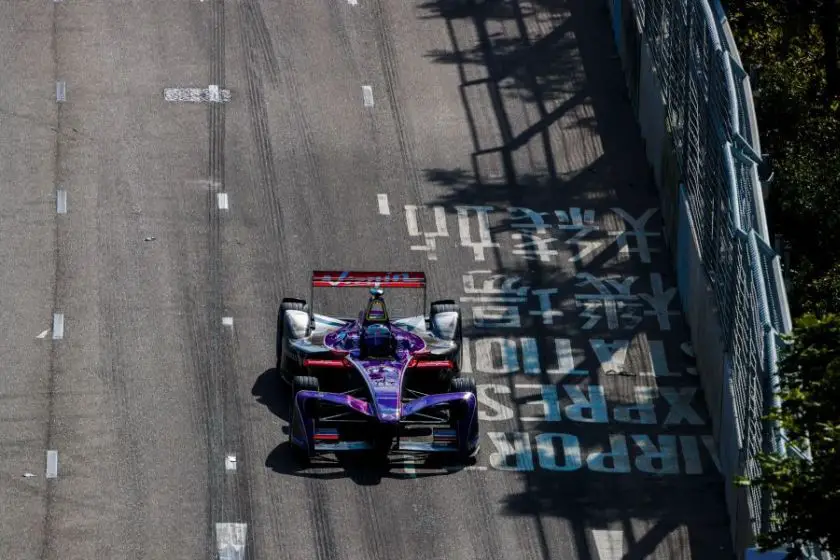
390, 418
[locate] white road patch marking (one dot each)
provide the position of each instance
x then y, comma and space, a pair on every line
52, 464
230, 463
58, 326
230, 540
227, 321
382, 199
60, 91
367, 95
61, 202
43, 334
609, 543
214, 94
211, 94
411, 220
223, 201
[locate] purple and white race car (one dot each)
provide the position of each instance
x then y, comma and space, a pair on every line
376, 382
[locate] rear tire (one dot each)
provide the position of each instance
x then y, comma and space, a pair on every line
444, 305
448, 306
288, 304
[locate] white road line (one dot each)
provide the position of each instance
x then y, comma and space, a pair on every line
230, 540
43, 334
58, 326
382, 199
230, 463
367, 95
353, 2
223, 201
52, 464
60, 91
61, 202
609, 543
227, 321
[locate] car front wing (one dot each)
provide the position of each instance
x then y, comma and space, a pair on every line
308, 433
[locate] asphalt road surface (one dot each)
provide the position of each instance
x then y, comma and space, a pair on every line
369, 134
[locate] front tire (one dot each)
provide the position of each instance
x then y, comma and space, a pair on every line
463, 385
459, 411
302, 383
305, 383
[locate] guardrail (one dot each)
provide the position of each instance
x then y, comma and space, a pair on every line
693, 102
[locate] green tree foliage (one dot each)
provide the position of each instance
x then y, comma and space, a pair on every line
807, 491
794, 45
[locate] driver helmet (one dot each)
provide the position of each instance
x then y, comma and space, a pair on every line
377, 340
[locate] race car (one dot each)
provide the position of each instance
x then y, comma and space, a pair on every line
376, 382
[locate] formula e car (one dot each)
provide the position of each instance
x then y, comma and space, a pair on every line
376, 382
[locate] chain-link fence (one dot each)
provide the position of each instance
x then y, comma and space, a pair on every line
704, 121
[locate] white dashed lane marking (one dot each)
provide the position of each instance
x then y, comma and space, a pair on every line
58, 326
60, 91
52, 464
222, 199
230, 463
384, 209
367, 95
227, 321
230, 540
61, 202
609, 544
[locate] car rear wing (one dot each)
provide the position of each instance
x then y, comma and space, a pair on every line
360, 279
365, 279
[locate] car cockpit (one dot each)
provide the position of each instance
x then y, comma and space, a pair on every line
376, 339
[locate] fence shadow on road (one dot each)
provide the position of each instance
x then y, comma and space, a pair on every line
570, 76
